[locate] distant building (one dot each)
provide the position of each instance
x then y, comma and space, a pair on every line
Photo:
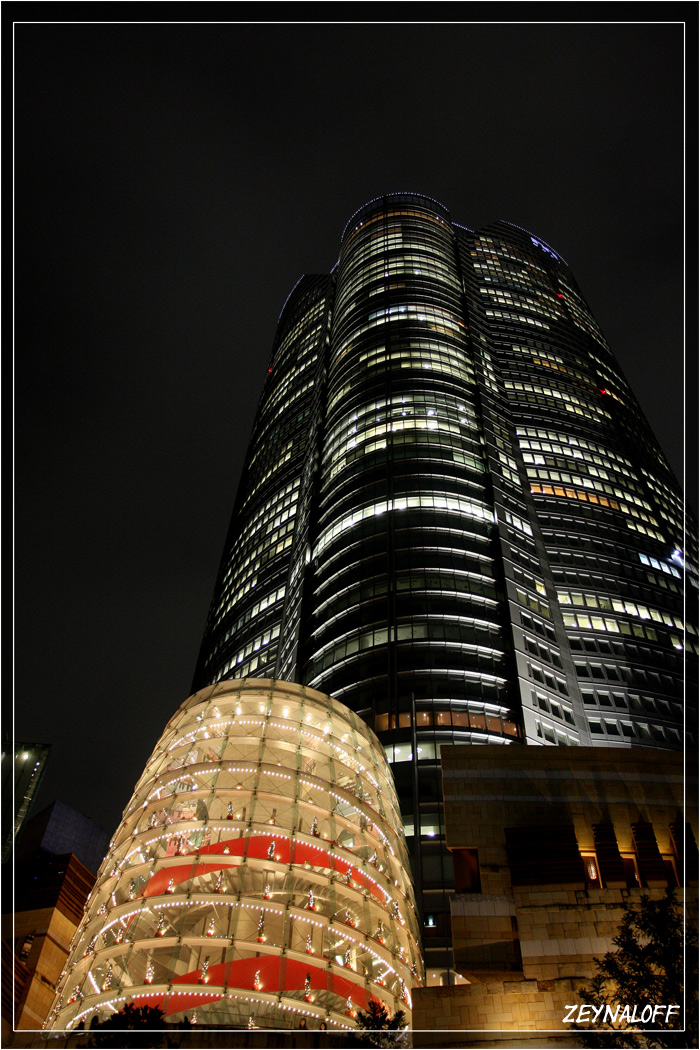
50, 896
59, 829
56, 856
23, 767
15, 976
548, 846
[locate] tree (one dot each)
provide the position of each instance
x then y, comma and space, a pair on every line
146, 1022
652, 966
377, 1020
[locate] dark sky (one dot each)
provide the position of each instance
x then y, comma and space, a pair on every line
172, 183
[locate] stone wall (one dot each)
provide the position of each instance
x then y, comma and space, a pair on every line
507, 1005
539, 909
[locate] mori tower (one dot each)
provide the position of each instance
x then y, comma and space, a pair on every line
454, 525
453, 515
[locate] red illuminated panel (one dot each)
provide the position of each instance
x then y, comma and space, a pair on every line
258, 846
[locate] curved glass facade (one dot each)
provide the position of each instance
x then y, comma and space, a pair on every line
454, 517
259, 874
242, 635
580, 459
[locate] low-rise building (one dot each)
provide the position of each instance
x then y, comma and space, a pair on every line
50, 896
549, 845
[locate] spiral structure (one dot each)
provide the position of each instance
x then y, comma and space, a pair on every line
259, 873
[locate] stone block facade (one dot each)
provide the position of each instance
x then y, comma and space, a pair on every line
550, 845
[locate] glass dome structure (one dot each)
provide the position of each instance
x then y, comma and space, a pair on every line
259, 874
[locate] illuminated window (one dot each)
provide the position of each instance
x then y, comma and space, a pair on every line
591, 871
400, 753
631, 870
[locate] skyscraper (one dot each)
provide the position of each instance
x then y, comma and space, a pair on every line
453, 516
20, 784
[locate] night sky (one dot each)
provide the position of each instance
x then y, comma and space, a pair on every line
172, 183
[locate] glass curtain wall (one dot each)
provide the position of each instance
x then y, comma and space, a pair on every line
404, 622
454, 517
608, 508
